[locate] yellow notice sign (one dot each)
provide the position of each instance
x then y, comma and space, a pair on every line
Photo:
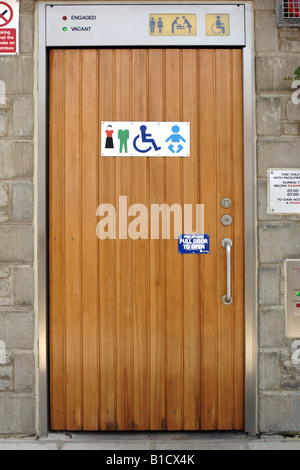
172, 25
217, 25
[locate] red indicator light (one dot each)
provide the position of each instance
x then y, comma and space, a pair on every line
298, 305
294, 8
65, 18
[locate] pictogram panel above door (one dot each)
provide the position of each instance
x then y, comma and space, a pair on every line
151, 25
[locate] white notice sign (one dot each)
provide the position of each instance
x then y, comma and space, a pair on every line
284, 191
145, 139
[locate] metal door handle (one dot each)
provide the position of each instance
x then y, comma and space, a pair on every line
227, 244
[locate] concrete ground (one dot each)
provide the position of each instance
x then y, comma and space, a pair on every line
155, 442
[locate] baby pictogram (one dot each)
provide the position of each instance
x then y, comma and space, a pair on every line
145, 138
175, 139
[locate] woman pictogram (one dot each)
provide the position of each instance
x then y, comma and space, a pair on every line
109, 144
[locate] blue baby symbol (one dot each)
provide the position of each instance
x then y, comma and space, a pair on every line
175, 138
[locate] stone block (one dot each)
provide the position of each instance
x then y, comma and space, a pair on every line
26, 33
286, 32
276, 243
268, 285
6, 372
16, 158
271, 71
290, 382
276, 413
265, 32
277, 153
17, 414
27, 7
271, 330
287, 366
3, 194
5, 385
291, 129
268, 112
16, 244
4, 289
264, 5
3, 216
3, 99
3, 122
22, 201
17, 329
18, 74
4, 273
269, 371
23, 286
292, 111
23, 116
290, 46
24, 372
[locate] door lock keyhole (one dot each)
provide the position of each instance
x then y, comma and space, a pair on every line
226, 220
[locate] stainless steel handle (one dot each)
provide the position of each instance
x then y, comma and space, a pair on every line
227, 244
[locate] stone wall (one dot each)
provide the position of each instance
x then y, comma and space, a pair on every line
278, 146
17, 319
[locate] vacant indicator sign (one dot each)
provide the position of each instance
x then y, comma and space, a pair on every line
172, 25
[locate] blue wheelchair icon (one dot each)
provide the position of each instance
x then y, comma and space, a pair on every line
146, 138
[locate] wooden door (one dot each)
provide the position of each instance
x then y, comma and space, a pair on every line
139, 336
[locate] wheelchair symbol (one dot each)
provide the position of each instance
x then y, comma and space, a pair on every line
145, 138
218, 27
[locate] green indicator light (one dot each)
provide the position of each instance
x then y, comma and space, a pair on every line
65, 29
298, 294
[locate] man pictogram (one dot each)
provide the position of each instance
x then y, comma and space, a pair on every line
123, 136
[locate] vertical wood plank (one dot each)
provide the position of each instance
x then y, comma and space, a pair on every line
157, 251
73, 241
191, 376
208, 270
124, 295
89, 243
56, 242
107, 254
224, 189
174, 294
139, 93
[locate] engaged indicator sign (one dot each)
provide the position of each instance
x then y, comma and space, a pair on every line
172, 25
193, 243
9, 27
284, 191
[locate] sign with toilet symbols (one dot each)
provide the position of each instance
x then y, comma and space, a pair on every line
145, 139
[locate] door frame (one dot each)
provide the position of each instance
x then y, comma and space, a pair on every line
250, 218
